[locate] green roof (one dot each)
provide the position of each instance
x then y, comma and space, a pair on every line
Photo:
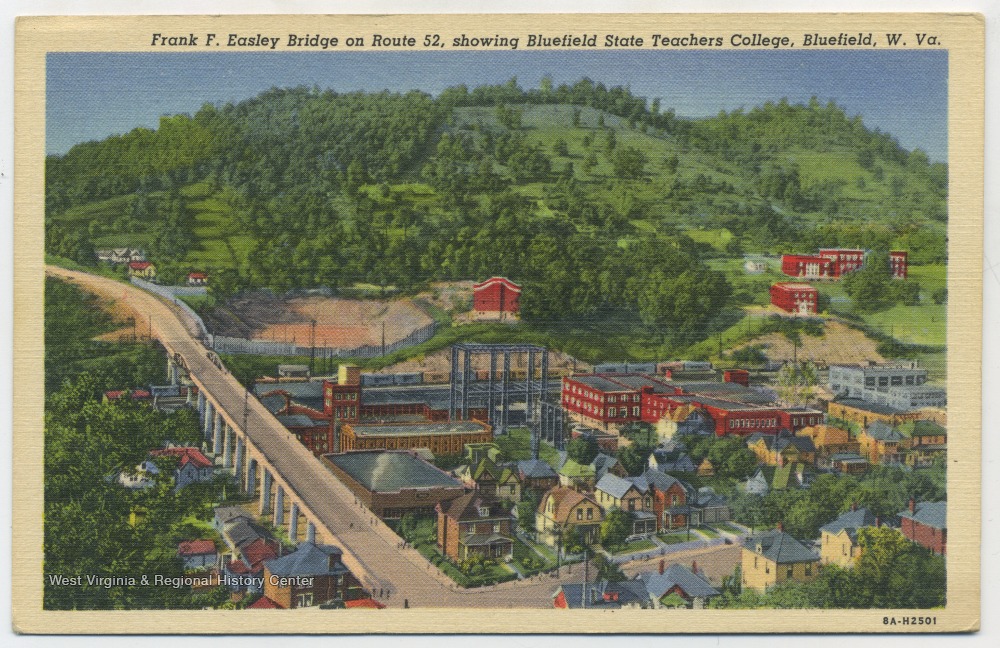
673, 600
383, 471
922, 428
573, 469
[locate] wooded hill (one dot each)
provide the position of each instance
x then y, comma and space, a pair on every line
597, 200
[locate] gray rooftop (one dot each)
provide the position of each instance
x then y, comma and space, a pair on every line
677, 576
851, 520
421, 429
300, 420
932, 514
536, 469
308, 560
383, 471
857, 403
614, 485
780, 547
601, 383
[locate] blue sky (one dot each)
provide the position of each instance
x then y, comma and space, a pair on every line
93, 95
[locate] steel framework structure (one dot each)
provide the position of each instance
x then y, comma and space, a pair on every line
464, 388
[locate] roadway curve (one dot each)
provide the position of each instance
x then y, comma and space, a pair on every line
401, 572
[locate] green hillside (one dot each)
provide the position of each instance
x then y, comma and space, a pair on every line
607, 209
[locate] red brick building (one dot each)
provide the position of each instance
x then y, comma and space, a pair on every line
797, 298
829, 263
807, 266
343, 397
496, 298
926, 523
898, 264
843, 261
609, 401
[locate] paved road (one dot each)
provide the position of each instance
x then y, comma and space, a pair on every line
367, 543
369, 546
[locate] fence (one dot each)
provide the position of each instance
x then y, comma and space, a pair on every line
167, 292
223, 344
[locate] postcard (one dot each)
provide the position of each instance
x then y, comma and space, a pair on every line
498, 323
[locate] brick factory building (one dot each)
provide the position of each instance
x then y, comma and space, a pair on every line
441, 438
796, 298
609, 401
496, 298
392, 484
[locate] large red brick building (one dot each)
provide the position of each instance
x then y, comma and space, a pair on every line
610, 401
496, 298
797, 298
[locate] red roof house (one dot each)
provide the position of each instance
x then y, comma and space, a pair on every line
197, 554
368, 603
264, 603
496, 298
192, 465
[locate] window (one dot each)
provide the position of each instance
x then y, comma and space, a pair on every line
789, 572
613, 399
755, 562
579, 514
635, 411
631, 505
304, 600
635, 399
512, 489
809, 570
613, 411
496, 527
590, 514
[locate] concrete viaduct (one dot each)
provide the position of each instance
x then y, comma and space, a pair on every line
291, 486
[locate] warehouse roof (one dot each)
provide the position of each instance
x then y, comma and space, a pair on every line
387, 471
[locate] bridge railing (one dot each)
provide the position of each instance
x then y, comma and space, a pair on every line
171, 295
226, 344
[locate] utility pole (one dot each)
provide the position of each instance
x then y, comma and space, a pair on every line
312, 347
383, 337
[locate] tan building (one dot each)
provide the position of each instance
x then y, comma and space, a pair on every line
564, 509
829, 440
772, 557
862, 413
882, 444
839, 539
439, 438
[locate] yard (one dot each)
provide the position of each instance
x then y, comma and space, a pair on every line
633, 547
677, 537
422, 534
529, 562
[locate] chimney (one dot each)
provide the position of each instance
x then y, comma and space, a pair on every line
781, 526
913, 506
663, 563
694, 567
331, 562
854, 506
878, 522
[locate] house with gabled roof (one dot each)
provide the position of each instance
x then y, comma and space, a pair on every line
198, 554
192, 466
926, 523
772, 557
839, 539
574, 475
537, 475
604, 464
314, 574
631, 495
758, 484
928, 442
829, 440
677, 586
881, 443
562, 510
602, 595
475, 525
142, 269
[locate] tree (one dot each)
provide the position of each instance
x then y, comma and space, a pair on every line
608, 569
583, 450
628, 162
633, 459
617, 526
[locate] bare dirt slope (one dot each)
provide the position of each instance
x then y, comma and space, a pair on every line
840, 344
339, 322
